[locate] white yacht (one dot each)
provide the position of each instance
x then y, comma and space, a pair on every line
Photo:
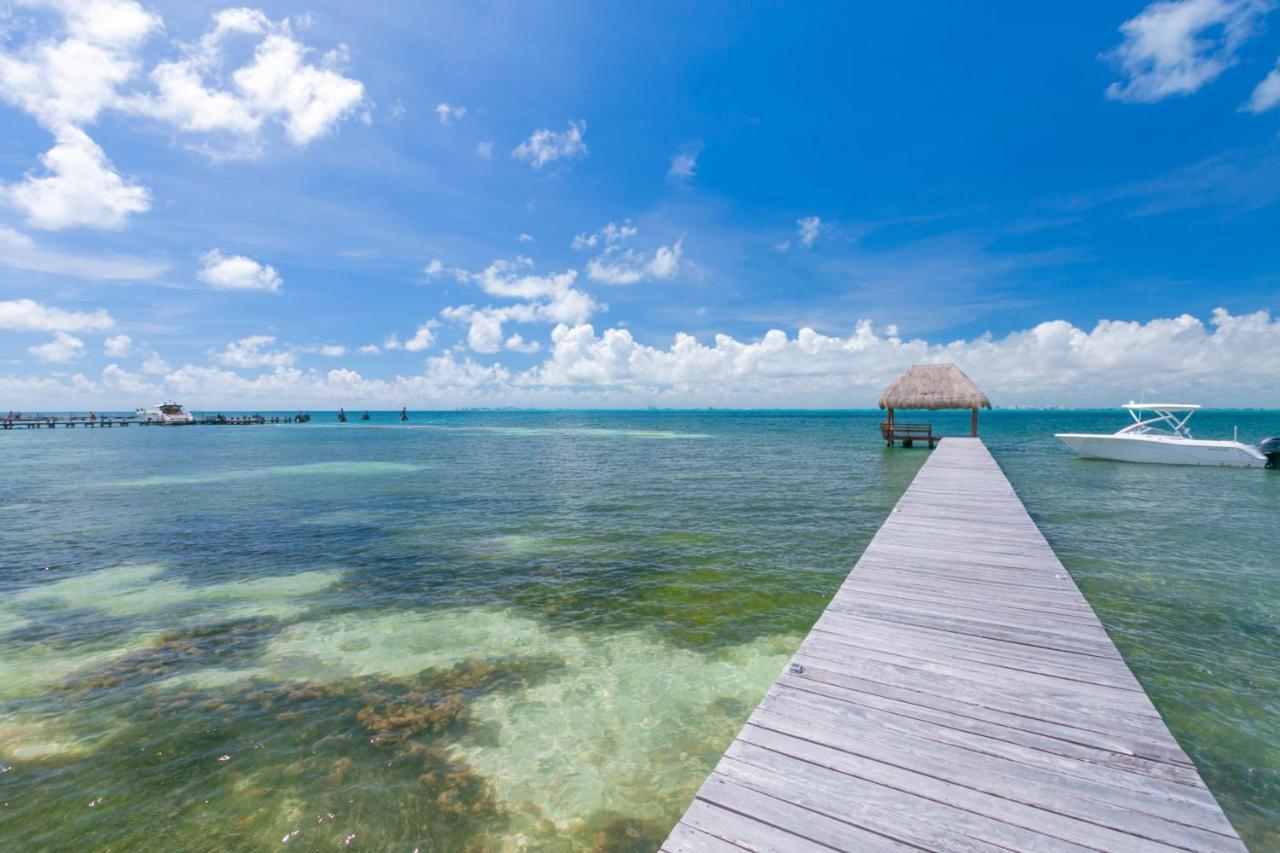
1163, 437
166, 413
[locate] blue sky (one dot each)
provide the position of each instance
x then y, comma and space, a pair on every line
667, 204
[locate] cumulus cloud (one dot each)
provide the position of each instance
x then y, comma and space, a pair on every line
1266, 95
252, 352
69, 80
117, 346
155, 365
449, 114
281, 84
423, 338
616, 265
1054, 362
484, 150
1228, 360
807, 230
61, 349
550, 298
236, 272
545, 146
444, 377
81, 188
117, 378
631, 266
333, 350
1175, 47
94, 64
517, 343
27, 315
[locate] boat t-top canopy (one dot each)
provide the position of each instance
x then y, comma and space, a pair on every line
1172, 417
1160, 407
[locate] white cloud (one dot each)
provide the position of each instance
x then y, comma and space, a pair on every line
434, 269
118, 379
61, 349
117, 346
484, 150
423, 338
524, 238
550, 298
280, 84
250, 352
545, 146
155, 365
27, 315
94, 64
81, 189
333, 350
1177, 46
236, 272
517, 343
70, 80
610, 235
807, 230
1053, 363
444, 376
449, 114
20, 252
684, 167
1229, 360
630, 266
370, 349
1266, 95
614, 265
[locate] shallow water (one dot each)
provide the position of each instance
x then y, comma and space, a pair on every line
505, 630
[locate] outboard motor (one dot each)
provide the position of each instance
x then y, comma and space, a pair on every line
1270, 448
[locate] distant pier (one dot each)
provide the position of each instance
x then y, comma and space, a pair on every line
958, 693
69, 420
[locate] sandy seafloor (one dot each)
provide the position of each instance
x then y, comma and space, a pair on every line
531, 630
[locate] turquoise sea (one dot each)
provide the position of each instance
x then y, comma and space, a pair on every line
507, 630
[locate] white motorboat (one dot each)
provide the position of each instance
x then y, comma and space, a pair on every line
1163, 437
168, 413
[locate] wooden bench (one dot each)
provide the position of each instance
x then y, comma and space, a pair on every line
907, 433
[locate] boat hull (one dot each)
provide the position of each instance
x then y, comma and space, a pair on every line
1164, 450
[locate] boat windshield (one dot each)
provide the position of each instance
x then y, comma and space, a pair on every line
1154, 419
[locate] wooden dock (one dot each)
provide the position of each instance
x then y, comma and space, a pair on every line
957, 694
71, 420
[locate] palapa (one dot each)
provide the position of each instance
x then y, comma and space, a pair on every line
932, 386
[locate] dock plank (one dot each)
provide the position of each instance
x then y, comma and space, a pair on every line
959, 693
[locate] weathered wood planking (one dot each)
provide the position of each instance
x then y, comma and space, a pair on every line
958, 693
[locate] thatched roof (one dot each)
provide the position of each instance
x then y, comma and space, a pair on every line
933, 386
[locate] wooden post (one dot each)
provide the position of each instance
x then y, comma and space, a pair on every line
973, 422
889, 421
